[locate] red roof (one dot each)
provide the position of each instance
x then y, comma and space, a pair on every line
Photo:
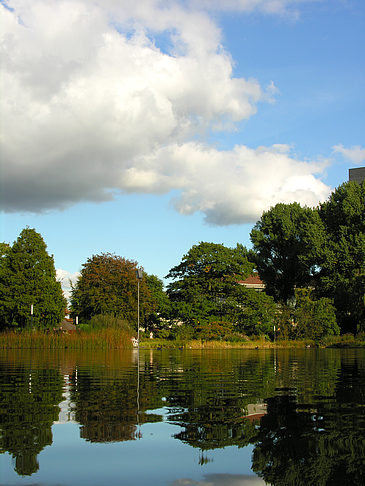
252, 280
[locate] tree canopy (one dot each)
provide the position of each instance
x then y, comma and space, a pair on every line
342, 275
108, 286
286, 241
209, 270
322, 248
28, 277
206, 291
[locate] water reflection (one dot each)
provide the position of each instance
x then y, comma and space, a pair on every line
221, 480
302, 411
315, 443
28, 408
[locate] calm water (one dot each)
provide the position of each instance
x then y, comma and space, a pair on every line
183, 418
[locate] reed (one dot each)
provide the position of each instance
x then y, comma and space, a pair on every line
221, 344
96, 339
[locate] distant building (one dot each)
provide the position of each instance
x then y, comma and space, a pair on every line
253, 282
357, 175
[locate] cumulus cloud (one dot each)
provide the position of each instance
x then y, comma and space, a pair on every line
117, 96
66, 278
355, 154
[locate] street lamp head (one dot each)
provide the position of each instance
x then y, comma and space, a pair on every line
139, 273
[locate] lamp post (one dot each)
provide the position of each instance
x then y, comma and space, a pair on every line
139, 275
31, 315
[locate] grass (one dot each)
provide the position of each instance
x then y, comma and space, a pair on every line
121, 339
97, 339
218, 344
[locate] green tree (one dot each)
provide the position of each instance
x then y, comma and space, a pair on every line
108, 286
314, 319
157, 319
205, 278
342, 263
28, 277
287, 241
4, 248
253, 313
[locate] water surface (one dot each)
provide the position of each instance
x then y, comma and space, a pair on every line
174, 418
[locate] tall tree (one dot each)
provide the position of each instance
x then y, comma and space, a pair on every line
28, 277
108, 286
206, 276
287, 240
342, 275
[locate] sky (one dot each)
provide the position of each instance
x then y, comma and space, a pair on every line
142, 128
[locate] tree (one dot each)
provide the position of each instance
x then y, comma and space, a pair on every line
205, 278
252, 312
28, 277
342, 263
161, 301
108, 286
314, 319
287, 241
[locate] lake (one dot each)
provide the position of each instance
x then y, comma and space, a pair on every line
182, 417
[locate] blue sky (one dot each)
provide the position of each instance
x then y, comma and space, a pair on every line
143, 129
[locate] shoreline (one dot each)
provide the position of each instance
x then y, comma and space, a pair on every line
116, 339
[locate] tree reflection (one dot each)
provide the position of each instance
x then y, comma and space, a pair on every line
213, 413
28, 408
310, 431
110, 406
319, 443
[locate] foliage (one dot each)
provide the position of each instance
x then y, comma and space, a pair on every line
213, 329
206, 277
314, 319
299, 247
286, 241
342, 275
253, 313
108, 286
156, 320
28, 277
108, 322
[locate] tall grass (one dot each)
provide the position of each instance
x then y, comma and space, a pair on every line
254, 343
95, 339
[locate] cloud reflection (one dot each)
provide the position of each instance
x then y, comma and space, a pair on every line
221, 480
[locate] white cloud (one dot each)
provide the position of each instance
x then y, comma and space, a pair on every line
119, 96
279, 7
355, 154
228, 186
66, 278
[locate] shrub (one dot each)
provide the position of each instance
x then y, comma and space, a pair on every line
103, 321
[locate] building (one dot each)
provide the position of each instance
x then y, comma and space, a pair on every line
253, 282
357, 175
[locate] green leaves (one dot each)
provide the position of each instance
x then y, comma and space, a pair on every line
342, 275
323, 248
287, 240
108, 286
206, 290
28, 277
